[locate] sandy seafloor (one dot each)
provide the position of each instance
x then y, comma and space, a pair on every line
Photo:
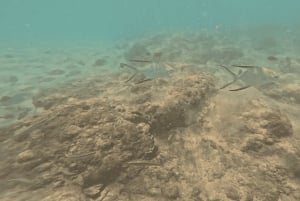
77, 126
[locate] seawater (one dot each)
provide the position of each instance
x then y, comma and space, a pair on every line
74, 21
149, 100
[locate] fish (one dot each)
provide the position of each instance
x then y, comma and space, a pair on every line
144, 80
147, 74
137, 75
122, 65
251, 76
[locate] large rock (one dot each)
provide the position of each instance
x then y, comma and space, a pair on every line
90, 140
269, 122
287, 92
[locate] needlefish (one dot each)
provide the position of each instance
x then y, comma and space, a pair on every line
250, 76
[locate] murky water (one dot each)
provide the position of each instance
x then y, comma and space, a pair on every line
149, 100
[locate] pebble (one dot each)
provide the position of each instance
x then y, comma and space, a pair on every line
232, 194
93, 191
171, 192
58, 183
5, 99
70, 132
154, 191
100, 62
26, 156
272, 58
43, 167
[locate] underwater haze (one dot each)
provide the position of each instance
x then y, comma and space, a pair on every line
149, 100
72, 21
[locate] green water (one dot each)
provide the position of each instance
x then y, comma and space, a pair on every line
74, 21
194, 100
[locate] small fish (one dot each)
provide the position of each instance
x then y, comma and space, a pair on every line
131, 77
136, 71
144, 80
122, 65
136, 75
253, 76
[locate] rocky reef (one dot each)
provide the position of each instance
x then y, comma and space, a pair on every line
134, 133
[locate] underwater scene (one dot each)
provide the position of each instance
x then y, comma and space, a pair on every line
135, 100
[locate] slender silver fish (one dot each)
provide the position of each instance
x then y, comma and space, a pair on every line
251, 76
